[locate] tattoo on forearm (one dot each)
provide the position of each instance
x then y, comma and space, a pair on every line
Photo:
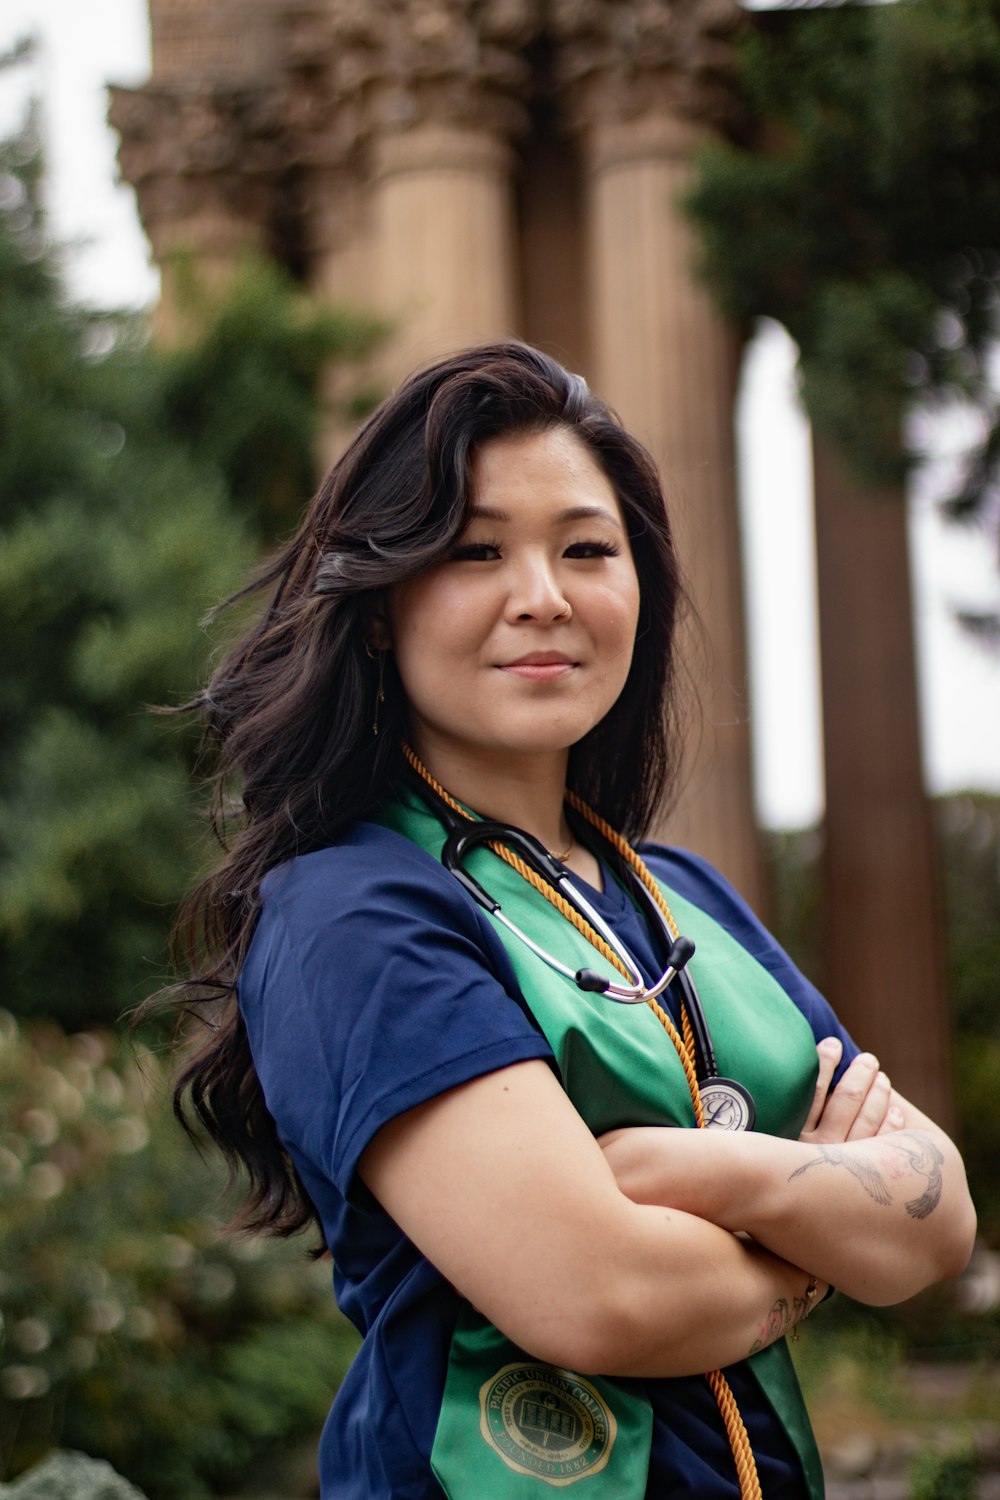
926, 1161
865, 1172
906, 1154
783, 1316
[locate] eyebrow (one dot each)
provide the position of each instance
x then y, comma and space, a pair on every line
571, 513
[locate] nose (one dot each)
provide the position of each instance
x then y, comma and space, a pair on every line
535, 593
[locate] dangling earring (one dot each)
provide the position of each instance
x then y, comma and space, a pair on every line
380, 690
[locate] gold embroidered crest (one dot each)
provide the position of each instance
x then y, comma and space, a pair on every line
546, 1422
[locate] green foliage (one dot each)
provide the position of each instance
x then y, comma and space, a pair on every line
969, 836
865, 1391
859, 1361
136, 489
794, 883
132, 1328
245, 392
977, 1084
859, 205
951, 1475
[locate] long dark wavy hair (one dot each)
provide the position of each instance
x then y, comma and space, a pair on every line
287, 714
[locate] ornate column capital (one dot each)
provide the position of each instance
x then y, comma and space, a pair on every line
454, 63
362, 77
198, 147
620, 60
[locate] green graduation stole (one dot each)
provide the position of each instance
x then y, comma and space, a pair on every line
511, 1424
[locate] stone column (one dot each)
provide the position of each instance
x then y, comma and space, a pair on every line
202, 162
645, 82
882, 909
325, 133
201, 144
438, 85
325, 49
443, 240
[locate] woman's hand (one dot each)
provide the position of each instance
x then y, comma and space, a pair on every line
862, 1105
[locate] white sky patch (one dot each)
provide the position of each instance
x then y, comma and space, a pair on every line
82, 48
955, 569
779, 553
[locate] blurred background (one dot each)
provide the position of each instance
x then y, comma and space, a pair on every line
771, 238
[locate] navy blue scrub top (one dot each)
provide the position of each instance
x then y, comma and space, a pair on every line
373, 983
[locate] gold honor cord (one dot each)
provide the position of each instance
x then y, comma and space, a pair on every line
739, 1442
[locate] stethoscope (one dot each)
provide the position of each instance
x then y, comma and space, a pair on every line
726, 1104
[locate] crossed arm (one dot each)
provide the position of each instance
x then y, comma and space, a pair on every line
634, 1259
872, 1198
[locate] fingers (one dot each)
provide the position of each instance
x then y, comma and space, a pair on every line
894, 1119
845, 1103
829, 1051
873, 1108
859, 1107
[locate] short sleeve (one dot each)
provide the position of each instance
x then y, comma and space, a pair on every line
371, 986
697, 881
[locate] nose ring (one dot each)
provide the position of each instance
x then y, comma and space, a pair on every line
566, 613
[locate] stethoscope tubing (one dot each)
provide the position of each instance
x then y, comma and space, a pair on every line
464, 834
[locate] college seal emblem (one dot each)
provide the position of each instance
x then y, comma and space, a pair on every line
546, 1422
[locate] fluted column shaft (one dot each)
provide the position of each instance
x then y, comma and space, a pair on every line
442, 240
668, 363
883, 927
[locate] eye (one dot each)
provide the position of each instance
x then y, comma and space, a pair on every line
592, 549
484, 551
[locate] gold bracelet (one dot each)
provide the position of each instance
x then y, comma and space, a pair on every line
811, 1292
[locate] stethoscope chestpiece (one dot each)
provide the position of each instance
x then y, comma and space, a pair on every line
727, 1105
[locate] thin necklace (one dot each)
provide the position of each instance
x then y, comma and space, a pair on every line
563, 855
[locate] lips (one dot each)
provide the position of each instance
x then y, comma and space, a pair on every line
540, 666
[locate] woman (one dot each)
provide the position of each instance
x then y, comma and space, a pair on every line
477, 614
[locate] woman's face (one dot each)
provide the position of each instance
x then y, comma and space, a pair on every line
521, 641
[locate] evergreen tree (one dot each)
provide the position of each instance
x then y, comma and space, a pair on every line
136, 488
858, 204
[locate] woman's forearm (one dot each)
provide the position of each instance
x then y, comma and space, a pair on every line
899, 1205
691, 1297
541, 1240
879, 1218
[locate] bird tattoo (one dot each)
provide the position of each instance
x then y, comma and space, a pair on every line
869, 1176
905, 1154
926, 1161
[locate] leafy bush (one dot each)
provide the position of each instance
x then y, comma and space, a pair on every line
951, 1475
129, 1319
